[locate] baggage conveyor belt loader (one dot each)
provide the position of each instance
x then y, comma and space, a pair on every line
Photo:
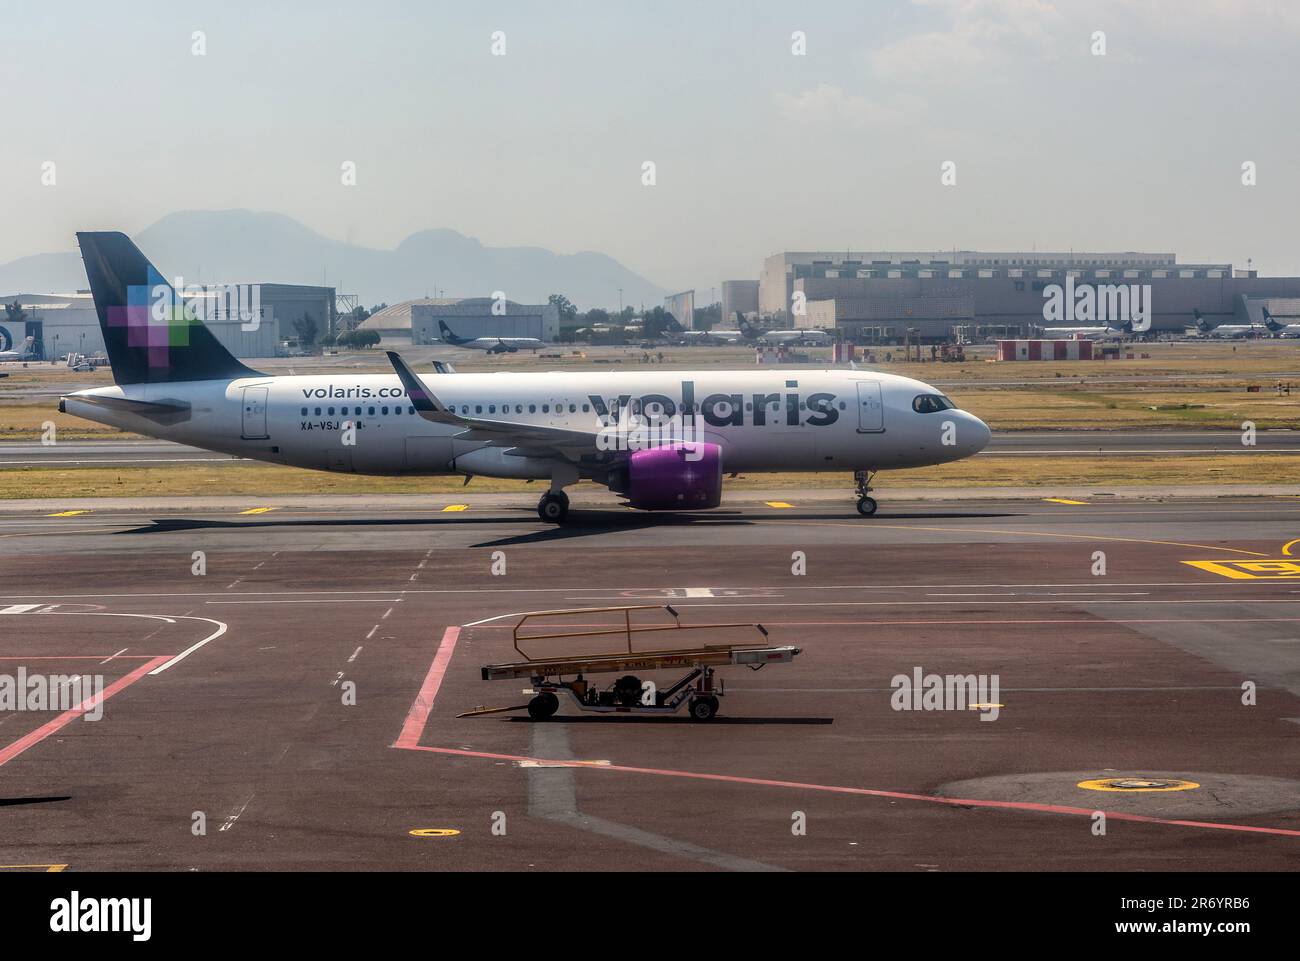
628, 694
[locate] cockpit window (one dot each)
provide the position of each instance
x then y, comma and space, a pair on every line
931, 403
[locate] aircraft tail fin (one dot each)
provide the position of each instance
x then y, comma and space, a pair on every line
1270, 321
449, 335
150, 334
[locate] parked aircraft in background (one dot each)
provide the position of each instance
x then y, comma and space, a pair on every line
773, 338
493, 345
1228, 331
1278, 329
1107, 332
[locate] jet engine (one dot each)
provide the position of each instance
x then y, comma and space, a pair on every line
682, 476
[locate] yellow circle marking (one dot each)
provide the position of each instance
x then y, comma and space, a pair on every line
433, 833
1286, 548
1137, 785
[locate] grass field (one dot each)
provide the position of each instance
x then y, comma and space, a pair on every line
1045, 472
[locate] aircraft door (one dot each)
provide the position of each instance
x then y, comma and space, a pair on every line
255, 414
871, 408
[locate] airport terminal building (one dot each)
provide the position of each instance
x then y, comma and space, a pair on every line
415, 322
876, 296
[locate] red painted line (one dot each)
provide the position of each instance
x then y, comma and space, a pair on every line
868, 792
67, 717
418, 715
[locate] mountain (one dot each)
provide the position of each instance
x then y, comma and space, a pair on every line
243, 246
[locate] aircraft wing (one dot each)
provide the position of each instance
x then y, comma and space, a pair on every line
533, 440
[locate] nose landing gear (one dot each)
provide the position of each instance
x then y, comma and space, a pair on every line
866, 503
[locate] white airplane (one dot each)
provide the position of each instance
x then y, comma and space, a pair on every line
493, 345
1278, 329
688, 338
774, 338
662, 440
1108, 332
1230, 331
24, 353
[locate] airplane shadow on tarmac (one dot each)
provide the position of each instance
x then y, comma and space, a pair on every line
642, 719
580, 523
11, 801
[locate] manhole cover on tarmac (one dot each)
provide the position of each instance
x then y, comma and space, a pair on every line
1178, 794
1147, 784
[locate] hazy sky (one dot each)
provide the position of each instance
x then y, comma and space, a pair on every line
757, 150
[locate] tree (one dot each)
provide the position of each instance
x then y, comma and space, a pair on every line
708, 317
568, 312
359, 339
597, 315
307, 330
657, 321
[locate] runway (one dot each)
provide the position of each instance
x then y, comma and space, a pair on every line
290, 680
96, 453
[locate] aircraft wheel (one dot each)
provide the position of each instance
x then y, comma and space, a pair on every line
553, 507
703, 708
543, 706
866, 506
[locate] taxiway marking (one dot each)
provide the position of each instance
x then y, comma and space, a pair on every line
418, 715
33, 738
867, 792
1017, 533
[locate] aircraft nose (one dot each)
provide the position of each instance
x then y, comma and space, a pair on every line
978, 434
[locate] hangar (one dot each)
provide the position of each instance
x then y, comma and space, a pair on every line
887, 295
415, 322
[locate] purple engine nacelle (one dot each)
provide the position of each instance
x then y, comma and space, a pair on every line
682, 476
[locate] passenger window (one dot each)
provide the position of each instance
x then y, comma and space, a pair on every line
586, 408
331, 411
410, 410
573, 408
492, 408
532, 408
546, 408
519, 408
478, 408
317, 411
385, 411
372, 412
304, 412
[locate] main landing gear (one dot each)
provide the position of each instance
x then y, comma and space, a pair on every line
553, 507
866, 503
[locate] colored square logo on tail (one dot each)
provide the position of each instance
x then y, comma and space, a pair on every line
155, 318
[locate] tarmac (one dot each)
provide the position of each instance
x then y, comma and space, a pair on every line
281, 685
